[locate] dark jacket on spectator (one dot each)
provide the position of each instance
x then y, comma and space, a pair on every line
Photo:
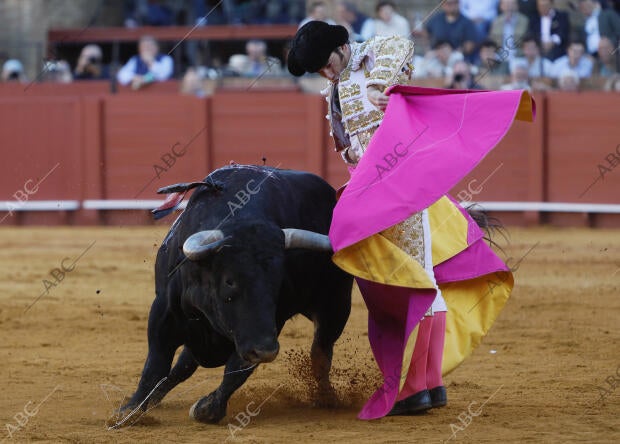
528, 8
457, 33
560, 25
609, 25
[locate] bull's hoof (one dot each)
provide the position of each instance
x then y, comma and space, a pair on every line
123, 417
208, 410
326, 397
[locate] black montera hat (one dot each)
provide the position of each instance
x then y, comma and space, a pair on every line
312, 46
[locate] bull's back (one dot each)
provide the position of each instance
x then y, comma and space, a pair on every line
288, 198
291, 199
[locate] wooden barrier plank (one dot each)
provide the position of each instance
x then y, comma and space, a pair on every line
93, 156
583, 135
152, 142
314, 135
248, 126
41, 139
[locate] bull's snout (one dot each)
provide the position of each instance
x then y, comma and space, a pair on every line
262, 353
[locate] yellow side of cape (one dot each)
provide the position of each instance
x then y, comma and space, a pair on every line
473, 305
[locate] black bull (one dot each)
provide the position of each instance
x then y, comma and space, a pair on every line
228, 277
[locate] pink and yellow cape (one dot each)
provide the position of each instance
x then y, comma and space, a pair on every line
428, 141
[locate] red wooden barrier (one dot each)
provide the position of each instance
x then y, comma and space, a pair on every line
127, 145
583, 150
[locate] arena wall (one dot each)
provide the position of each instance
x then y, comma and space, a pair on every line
98, 158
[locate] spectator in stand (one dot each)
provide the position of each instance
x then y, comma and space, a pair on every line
609, 24
491, 61
451, 25
575, 60
147, 66
205, 12
590, 32
13, 71
147, 13
538, 66
388, 22
568, 81
295, 10
551, 28
509, 27
519, 77
437, 63
529, 9
482, 13
608, 58
193, 83
217, 12
613, 84
56, 71
317, 11
461, 77
256, 62
90, 64
360, 26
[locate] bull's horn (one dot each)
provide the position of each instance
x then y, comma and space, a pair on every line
200, 244
295, 238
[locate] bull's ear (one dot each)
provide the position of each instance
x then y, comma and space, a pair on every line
200, 245
295, 238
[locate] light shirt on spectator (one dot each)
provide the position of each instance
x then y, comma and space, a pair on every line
509, 35
161, 70
583, 69
545, 29
398, 25
540, 67
593, 35
479, 9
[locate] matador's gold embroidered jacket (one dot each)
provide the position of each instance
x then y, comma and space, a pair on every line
380, 62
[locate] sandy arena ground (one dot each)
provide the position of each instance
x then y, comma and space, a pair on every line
547, 371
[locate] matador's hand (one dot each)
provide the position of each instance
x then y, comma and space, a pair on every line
377, 98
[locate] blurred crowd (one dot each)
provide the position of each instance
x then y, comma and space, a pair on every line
485, 44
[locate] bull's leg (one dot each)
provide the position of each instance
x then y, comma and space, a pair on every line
162, 346
185, 367
329, 323
321, 359
212, 408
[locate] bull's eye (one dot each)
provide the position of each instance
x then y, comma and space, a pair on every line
228, 299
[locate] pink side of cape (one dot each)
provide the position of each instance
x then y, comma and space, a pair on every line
428, 141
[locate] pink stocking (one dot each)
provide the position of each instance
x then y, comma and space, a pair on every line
416, 377
435, 352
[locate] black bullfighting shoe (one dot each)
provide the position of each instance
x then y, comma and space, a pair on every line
414, 404
439, 397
